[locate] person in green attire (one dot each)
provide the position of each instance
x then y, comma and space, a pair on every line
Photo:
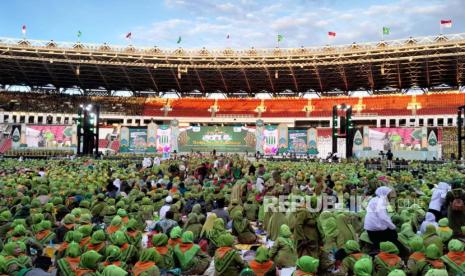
133, 234
387, 259
113, 270
113, 257
306, 266
431, 237
444, 231
418, 255
88, 264
352, 249
363, 267
432, 260
405, 235
306, 234
175, 236
97, 242
5, 222
67, 266
455, 258
242, 229
397, 272
251, 208
191, 259
193, 225
160, 242
11, 252
146, 266
283, 252
146, 209
262, 265
129, 253
45, 234
227, 260
437, 272
214, 234
97, 207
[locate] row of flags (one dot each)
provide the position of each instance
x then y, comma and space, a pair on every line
444, 23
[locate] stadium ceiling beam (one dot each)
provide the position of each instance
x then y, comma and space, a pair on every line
128, 78
103, 77
52, 76
246, 80
269, 79
399, 79
176, 79
428, 81
152, 78
22, 72
294, 79
200, 80
342, 73
317, 72
223, 81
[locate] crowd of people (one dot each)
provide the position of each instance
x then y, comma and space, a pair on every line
228, 215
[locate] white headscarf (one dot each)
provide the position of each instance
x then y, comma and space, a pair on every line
383, 191
429, 219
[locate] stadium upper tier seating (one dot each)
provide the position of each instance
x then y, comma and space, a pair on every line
386, 105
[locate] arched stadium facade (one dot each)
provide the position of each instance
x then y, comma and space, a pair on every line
413, 88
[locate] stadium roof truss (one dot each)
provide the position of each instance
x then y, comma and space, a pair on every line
381, 67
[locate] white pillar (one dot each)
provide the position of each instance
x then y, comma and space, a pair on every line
435, 122
397, 122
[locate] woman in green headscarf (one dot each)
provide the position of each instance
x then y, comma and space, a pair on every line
305, 231
129, 253
283, 252
262, 265
418, 255
123, 214
214, 234
67, 225
113, 270
274, 222
332, 239
189, 256
363, 267
405, 235
86, 231
67, 266
193, 225
197, 209
160, 242
443, 230
45, 234
115, 225
11, 252
346, 230
113, 257
431, 237
352, 249
146, 266
133, 234
306, 266
175, 236
227, 260
88, 264
208, 225
455, 259
97, 242
251, 208
387, 260
5, 222
146, 209
432, 260
242, 229
110, 212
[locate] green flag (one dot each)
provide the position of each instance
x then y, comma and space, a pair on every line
280, 38
179, 40
79, 34
386, 30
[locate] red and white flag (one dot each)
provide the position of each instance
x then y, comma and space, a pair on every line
23, 29
331, 34
446, 23
128, 35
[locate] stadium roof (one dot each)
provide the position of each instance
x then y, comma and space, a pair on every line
379, 67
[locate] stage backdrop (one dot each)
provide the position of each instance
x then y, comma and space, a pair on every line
298, 141
222, 139
48, 136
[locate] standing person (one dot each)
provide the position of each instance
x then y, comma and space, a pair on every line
378, 224
438, 198
165, 208
455, 203
389, 157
